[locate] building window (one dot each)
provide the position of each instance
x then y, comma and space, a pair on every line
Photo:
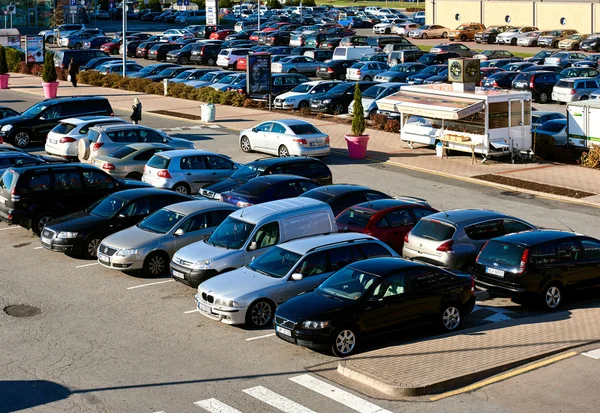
457, 16
563, 20
507, 19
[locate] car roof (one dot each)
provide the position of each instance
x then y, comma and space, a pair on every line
304, 245
147, 145
338, 189
278, 161
22, 169
199, 205
186, 152
382, 204
85, 119
71, 98
272, 179
459, 216
534, 237
255, 213
384, 266
130, 194
289, 122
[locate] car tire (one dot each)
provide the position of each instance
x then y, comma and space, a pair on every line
534, 44
283, 151
395, 79
77, 46
552, 296
292, 71
260, 313
444, 35
344, 341
451, 317
22, 139
245, 144
184, 60
210, 61
90, 247
38, 223
134, 175
368, 79
155, 264
372, 113
424, 36
83, 149
543, 97
463, 38
388, 30
182, 188
338, 109
303, 104
584, 97
513, 41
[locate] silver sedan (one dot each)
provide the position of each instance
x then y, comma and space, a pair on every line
130, 160
429, 31
295, 64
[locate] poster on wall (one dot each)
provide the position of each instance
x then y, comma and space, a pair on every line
13, 41
34, 49
212, 12
258, 74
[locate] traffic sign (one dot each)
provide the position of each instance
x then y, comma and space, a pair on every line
179, 2
186, 2
73, 2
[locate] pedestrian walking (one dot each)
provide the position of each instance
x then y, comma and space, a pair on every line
136, 116
73, 71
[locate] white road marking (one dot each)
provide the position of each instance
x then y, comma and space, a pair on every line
38, 248
215, 406
9, 228
87, 265
176, 129
197, 127
259, 337
341, 396
595, 354
279, 402
191, 311
146, 285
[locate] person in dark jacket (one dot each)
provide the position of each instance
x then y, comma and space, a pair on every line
73, 71
136, 116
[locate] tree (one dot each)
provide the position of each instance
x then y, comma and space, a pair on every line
3, 64
49, 72
225, 4
309, 3
201, 4
358, 121
274, 4
154, 5
58, 16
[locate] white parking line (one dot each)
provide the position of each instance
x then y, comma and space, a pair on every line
341, 396
215, 406
9, 228
87, 265
595, 354
279, 402
38, 248
146, 285
259, 337
191, 311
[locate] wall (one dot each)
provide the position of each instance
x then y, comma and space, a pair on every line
495, 12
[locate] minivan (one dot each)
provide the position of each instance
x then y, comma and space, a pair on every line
249, 232
352, 52
192, 17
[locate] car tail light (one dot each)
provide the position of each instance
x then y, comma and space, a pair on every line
301, 141
446, 246
327, 140
358, 72
67, 140
1, 140
484, 245
330, 70
406, 238
108, 166
240, 91
243, 204
472, 284
14, 197
523, 261
96, 146
495, 84
572, 91
163, 173
531, 85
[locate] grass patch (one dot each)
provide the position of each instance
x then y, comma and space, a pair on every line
390, 4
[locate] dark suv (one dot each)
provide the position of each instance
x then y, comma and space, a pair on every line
159, 51
35, 123
541, 263
539, 83
437, 58
205, 54
334, 69
31, 196
404, 56
142, 49
302, 166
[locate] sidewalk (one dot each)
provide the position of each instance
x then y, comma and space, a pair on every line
439, 365
383, 146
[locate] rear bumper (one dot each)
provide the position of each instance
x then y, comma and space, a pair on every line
12, 217
505, 289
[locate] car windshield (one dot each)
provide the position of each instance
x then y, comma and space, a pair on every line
231, 234
502, 253
571, 72
488, 52
184, 75
35, 110
304, 129
542, 55
228, 79
339, 89
276, 262
431, 70
373, 92
551, 126
208, 77
148, 69
303, 88
161, 221
554, 33
347, 283
433, 230
107, 207
248, 172
168, 72
354, 217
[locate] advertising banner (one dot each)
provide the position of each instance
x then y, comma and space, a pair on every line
34, 49
258, 74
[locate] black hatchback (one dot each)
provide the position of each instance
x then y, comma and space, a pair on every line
539, 83
373, 296
334, 69
268, 188
339, 97
540, 263
340, 197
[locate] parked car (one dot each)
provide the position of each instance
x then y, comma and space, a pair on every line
95, 42
544, 264
490, 34
493, 54
143, 48
268, 188
512, 36
62, 58
149, 245
530, 39
205, 54
365, 70
538, 118
209, 78
373, 94
300, 96
441, 77
539, 57
159, 51
350, 305
182, 55
153, 69
338, 98
233, 81
112, 47
591, 60
117, 67
227, 58
35, 195
189, 75
340, 197
454, 238
516, 66
580, 72
501, 79
9, 159
404, 28
295, 64
555, 36
556, 129
539, 83
168, 73
429, 71
574, 89
128, 162
572, 42
591, 44
334, 69
429, 31
466, 31
437, 58
354, 41
564, 59
498, 63
545, 68
458, 48
281, 83
400, 72
221, 34
283, 272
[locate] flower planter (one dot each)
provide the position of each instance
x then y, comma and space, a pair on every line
4, 81
50, 89
357, 146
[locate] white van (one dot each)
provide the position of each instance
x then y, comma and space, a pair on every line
247, 233
372, 10
352, 52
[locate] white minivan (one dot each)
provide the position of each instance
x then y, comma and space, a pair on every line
249, 232
352, 52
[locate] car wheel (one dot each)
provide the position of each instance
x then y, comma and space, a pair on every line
424, 36
543, 98
444, 35
182, 188
463, 38
90, 247
187, 22
303, 104
367, 78
83, 149
344, 341
245, 144
552, 297
260, 314
50, 39
372, 113
77, 45
450, 317
338, 109
292, 71
210, 61
283, 152
155, 264
38, 223
395, 79
388, 30
555, 45
513, 41
134, 175
184, 60
584, 98
22, 139
534, 44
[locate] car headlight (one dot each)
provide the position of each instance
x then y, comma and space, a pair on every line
127, 252
203, 265
6, 128
227, 303
315, 325
65, 234
290, 100
327, 101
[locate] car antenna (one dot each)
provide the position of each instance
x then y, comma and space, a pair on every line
565, 225
444, 211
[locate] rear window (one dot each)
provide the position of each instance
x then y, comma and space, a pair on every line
122, 152
304, 129
354, 217
502, 253
63, 128
433, 230
564, 83
8, 179
159, 162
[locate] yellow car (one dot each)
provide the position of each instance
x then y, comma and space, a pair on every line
572, 42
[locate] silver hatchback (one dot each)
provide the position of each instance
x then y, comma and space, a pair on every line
454, 238
186, 171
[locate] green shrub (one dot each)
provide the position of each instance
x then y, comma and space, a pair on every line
544, 146
49, 74
90, 77
14, 58
3, 63
392, 125
358, 121
156, 88
111, 80
139, 85
378, 121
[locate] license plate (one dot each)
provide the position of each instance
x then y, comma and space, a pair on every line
46, 240
3, 200
494, 271
103, 259
411, 82
204, 308
52, 141
316, 144
178, 274
313, 105
284, 331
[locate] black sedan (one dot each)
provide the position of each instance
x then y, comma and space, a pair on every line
169, 73
268, 188
502, 80
429, 71
334, 69
340, 197
81, 232
7, 112
373, 296
9, 159
241, 35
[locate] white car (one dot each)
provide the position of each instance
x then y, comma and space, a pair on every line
63, 139
385, 27
228, 58
403, 29
300, 96
512, 36
287, 137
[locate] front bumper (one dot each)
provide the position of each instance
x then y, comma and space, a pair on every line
283, 105
172, 58
190, 277
315, 339
223, 314
321, 107
118, 262
74, 245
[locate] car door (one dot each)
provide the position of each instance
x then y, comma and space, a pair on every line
393, 226
195, 227
46, 121
194, 170
260, 135
218, 167
314, 269
275, 137
266, 236
574, 268
591, 255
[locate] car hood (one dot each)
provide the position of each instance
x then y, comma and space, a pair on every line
223, 185
132, 237
155, 77
312, 306
138, 74
237, 283
291, 95
179, 143
12, 119
77, 221
201, 250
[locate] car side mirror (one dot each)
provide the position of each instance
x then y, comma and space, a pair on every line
253, 246
179, 232
122, 216
297, 276
42, 117
254, 129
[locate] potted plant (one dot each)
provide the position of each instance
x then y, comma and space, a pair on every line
4, 76
357, 142
49, 77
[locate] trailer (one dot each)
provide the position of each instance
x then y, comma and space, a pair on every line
583, 124
489, 123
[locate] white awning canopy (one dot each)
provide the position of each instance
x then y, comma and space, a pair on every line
431, 106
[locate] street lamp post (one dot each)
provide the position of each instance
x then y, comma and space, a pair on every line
124, 42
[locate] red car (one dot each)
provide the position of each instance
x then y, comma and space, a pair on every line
240, 64
275, 26
254, 36
221, 34
113, 46
386, 219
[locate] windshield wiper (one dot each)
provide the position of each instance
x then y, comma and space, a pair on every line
262, 272
221, 243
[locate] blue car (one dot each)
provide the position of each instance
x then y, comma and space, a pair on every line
268, 188
352, 22
400, 73
426, 73
441, 77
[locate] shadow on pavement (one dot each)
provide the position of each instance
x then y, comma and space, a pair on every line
26, 394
